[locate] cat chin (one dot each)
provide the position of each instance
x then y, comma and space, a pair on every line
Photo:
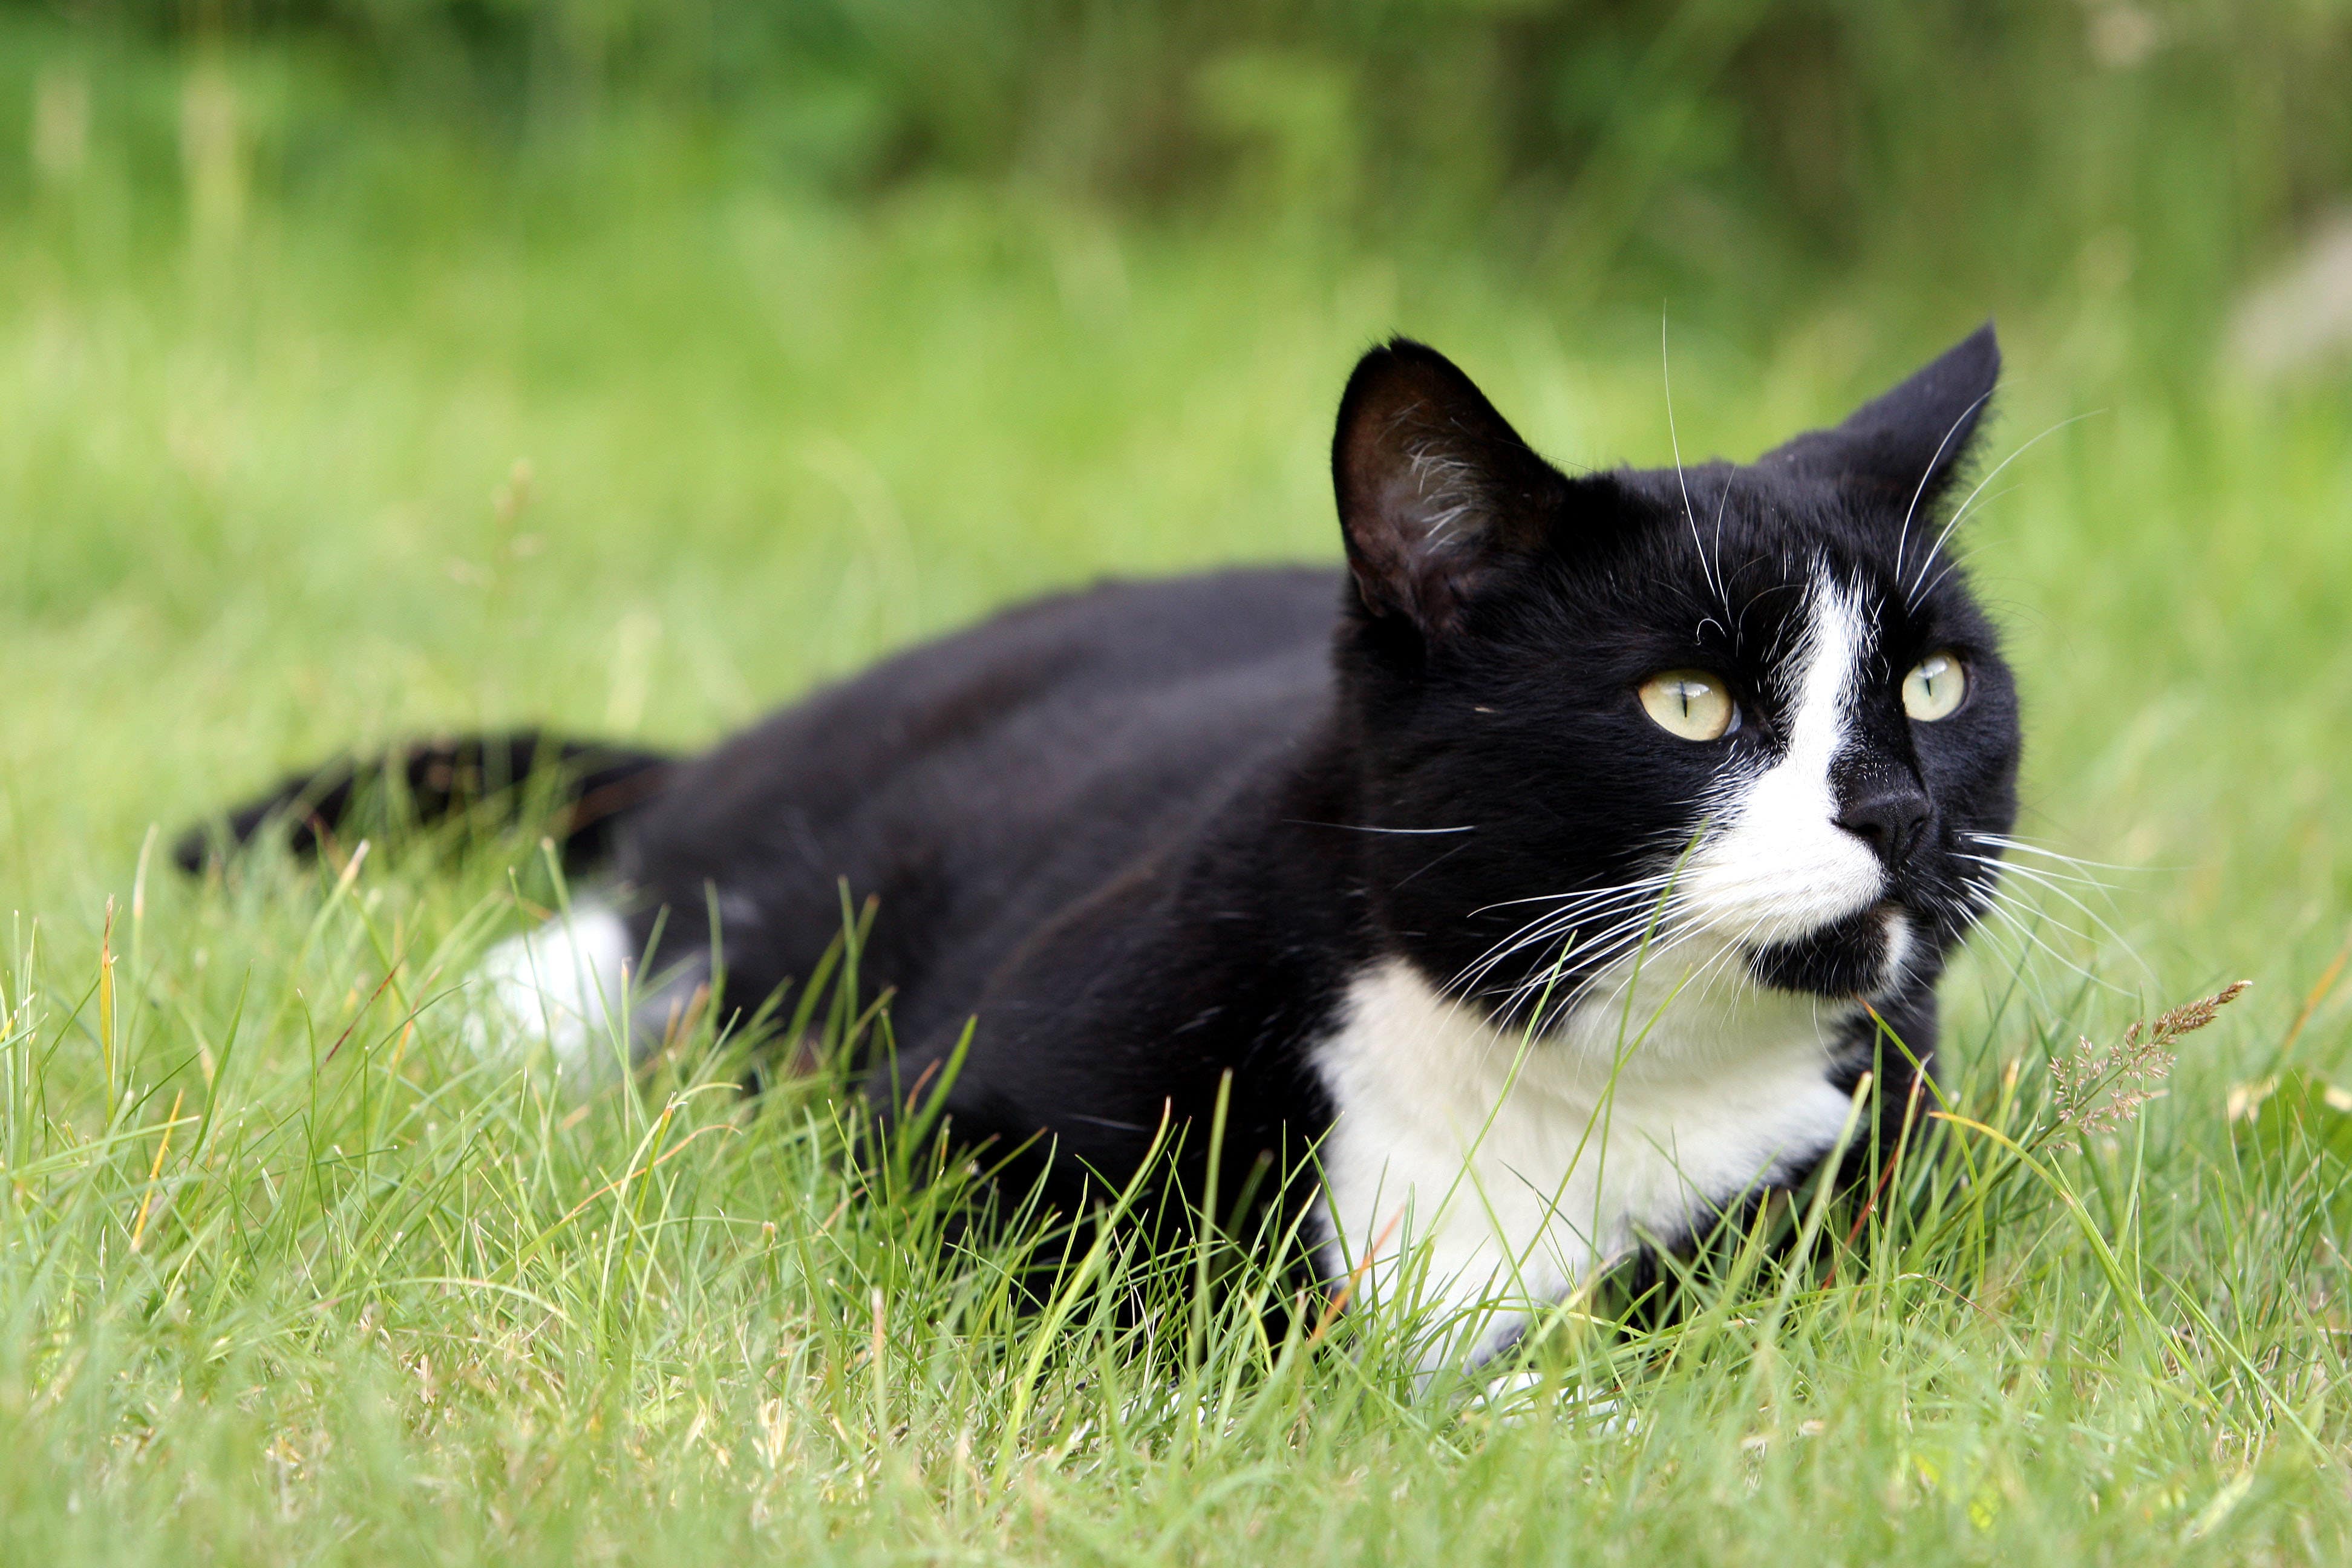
1865, 955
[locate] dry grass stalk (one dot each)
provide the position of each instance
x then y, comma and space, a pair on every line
2095, 1088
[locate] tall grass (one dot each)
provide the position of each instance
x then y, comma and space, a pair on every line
325, 419
291, 1272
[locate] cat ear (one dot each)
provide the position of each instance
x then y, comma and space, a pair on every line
1437, 494
1910, 442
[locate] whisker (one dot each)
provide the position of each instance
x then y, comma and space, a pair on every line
1597, 949
1997, 909
2027, 846
1666, 372
2001, 864
1722, 500
1912, 598
1596, 952
1641, 883
2049, 884
1575, 908
1960, 555
1902, 538
1650, 958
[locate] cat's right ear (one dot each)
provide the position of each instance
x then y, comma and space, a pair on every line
1437, 493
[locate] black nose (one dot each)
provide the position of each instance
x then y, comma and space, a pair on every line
1891, 819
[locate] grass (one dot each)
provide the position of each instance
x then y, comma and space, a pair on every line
287, 1275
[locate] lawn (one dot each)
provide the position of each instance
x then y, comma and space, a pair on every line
296, 455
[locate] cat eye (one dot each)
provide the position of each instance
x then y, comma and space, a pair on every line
1692, 703
1935, 687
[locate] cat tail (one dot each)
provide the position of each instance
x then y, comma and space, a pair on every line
586, 786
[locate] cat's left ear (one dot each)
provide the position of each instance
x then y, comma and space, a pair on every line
1909, 443
1438, 496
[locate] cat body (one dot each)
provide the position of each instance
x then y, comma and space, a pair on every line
1538, 888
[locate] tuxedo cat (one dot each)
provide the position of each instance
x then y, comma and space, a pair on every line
1527, 889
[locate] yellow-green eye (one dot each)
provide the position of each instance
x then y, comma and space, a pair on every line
1691, 703
1935, 687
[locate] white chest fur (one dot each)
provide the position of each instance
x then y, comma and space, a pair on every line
1484, 1176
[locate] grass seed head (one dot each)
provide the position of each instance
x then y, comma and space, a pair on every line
2095, 1088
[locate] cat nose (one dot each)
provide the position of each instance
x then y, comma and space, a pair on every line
1891, 819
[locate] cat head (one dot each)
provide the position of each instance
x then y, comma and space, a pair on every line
1748, 715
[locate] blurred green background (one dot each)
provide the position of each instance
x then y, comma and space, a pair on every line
368, 366
377, 366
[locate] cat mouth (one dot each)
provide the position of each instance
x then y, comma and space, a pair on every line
1861, 955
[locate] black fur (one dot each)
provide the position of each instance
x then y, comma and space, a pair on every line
592, 785
1147, 834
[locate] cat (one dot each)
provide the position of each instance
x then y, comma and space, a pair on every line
1533, 890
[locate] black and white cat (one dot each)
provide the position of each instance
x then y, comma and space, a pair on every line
1539, 874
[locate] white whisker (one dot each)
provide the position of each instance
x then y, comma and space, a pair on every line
2050, 885
2027, 846
1904, 536
1912, 598
1714, 581
2000, 911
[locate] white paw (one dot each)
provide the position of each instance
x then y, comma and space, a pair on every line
559, 992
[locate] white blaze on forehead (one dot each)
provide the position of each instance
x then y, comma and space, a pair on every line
1779, 866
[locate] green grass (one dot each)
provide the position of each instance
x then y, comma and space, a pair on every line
287, 1275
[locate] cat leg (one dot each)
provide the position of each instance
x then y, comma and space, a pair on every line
569, 991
